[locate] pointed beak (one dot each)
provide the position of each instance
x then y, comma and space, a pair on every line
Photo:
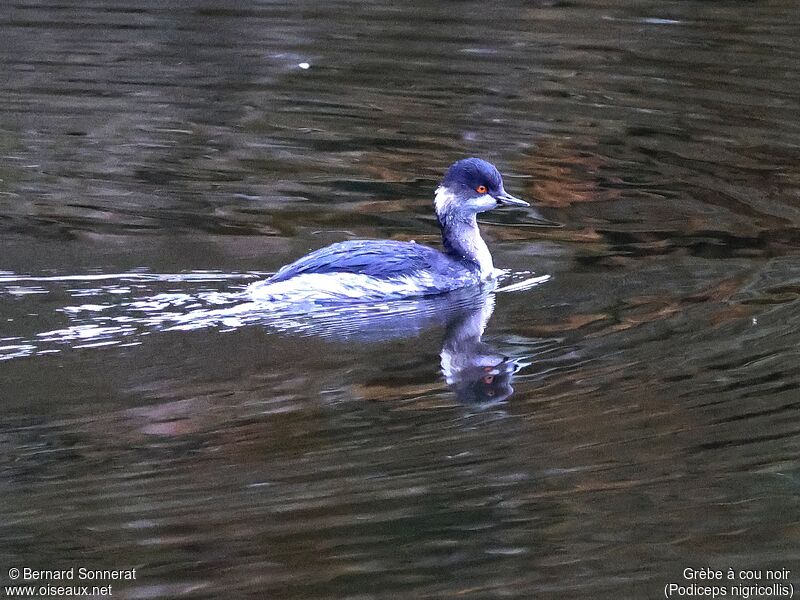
505, 198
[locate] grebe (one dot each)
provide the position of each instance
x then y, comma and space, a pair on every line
369, 270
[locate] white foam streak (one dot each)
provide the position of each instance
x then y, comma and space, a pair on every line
525, 284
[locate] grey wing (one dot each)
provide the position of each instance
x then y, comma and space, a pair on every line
370, 257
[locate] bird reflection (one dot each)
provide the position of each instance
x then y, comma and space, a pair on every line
475, 371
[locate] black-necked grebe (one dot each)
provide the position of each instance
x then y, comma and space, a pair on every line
367, 270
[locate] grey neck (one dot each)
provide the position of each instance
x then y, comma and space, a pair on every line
460, 235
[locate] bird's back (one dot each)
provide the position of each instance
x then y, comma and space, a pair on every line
383, 259
368, 269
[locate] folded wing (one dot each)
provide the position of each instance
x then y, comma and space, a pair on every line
375, 258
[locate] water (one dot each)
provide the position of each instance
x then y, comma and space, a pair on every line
640, 411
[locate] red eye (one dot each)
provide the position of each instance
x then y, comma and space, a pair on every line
481, 189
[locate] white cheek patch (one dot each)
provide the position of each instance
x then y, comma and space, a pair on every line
445, 201
481, 203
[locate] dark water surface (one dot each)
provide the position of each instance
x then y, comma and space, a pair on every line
158, 157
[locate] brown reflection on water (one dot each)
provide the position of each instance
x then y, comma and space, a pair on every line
561, 174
